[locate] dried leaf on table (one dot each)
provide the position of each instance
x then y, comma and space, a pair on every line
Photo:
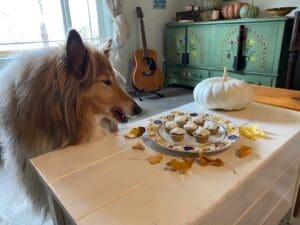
135, 132
244, 150
252, 132
181, 166
205, 161
155, 159
138, 146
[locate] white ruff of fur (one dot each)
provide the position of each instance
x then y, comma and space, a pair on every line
36, 116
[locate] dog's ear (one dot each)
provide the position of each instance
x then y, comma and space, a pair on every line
106, 47
76, 52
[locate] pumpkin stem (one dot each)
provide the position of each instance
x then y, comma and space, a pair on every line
225, 74
252, 2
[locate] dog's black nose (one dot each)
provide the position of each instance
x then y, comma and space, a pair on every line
136, 109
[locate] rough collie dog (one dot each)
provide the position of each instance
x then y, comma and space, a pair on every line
54, 98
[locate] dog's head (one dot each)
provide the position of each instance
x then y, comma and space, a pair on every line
101, 92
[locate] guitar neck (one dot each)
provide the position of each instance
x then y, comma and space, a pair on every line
144, 39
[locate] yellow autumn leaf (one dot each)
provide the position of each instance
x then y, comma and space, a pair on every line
138, 146
181, 166
205, 161
244, 151
155, 159
135, 132
252, 132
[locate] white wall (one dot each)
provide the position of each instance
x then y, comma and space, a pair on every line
154, 21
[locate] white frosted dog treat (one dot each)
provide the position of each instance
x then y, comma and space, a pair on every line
190, 127
170, 125
177, 134
199, 120
201, 134
180, 120
211, 126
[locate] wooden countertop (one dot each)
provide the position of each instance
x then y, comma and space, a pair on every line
284, 98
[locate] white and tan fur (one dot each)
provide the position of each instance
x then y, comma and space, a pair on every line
53, 98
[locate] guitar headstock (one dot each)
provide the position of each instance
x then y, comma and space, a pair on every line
139, 12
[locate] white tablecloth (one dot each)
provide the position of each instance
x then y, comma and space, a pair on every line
106, 182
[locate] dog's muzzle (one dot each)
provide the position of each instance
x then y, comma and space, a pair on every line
119, 114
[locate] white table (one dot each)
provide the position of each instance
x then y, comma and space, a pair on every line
100, 184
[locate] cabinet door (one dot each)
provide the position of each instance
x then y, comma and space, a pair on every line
196, 48
175, 44
198, 39
186, 76
260, 49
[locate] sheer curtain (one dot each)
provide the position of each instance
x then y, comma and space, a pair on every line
120, 34
121, 27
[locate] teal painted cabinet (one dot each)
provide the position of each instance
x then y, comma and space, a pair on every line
210, 46
190, 39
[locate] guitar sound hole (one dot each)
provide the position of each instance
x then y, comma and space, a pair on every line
150, 63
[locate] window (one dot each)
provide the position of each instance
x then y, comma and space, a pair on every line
37, 23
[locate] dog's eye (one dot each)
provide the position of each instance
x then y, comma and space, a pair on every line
107, 82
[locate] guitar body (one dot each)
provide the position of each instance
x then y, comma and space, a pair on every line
146, 75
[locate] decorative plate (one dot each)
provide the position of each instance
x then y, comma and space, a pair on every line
227, 134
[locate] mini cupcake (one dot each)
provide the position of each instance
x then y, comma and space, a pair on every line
201, 135
180, 120
199, 120
169, 125
211, 126
190, 127
170, 117
177, 134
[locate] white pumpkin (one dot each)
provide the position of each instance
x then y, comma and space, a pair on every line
223, 93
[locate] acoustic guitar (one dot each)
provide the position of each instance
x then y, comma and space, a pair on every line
146, 75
